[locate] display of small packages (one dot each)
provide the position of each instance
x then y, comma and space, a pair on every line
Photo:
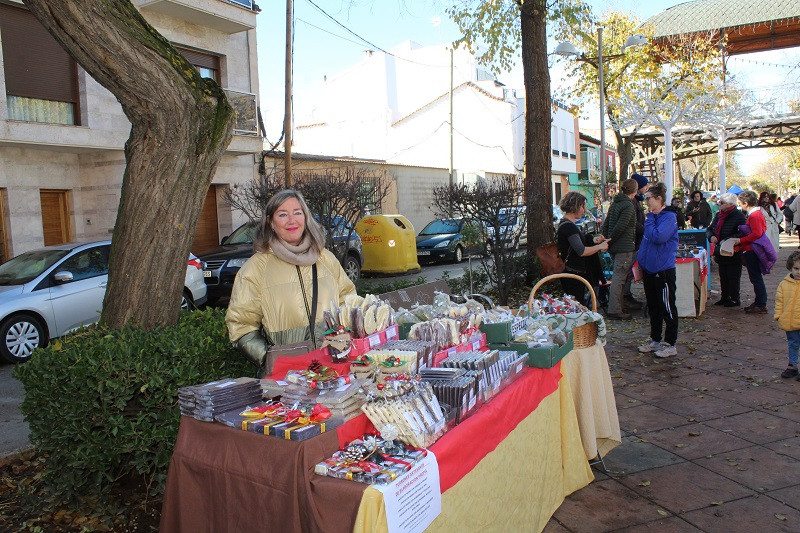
550, 305
275, 419
318, 376
540, 334
361, 316
452, 386
511, 365
372, 459
483, 365
205, 401
411, 407
468, 315
344, 401
424, 351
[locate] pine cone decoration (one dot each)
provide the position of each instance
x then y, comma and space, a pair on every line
315, 366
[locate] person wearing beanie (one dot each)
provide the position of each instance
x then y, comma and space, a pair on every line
627, 296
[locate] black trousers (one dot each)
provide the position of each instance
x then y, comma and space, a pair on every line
730, 275
659, 289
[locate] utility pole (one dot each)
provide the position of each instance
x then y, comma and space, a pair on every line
287, 109
452, 176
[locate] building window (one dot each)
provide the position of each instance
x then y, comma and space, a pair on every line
41, 78
554, 139
206, 64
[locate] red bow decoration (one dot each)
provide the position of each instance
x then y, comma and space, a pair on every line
319, 413
292, 415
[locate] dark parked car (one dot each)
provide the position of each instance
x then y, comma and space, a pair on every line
224, 261
450, 240
588, 224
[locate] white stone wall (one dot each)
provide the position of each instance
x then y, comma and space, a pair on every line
88, 160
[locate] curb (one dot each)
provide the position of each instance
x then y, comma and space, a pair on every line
17, 456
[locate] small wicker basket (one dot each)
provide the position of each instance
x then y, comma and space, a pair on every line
585, 335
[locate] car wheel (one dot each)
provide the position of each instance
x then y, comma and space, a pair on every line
352, 268
20, 336
187, 304
459, 255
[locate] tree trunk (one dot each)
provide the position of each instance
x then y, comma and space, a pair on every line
181, 126
538, 118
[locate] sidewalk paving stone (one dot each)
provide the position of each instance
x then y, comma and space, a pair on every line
675, 487
757, 427
695, 441
756, 513
756, 467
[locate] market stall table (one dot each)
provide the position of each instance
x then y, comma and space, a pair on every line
508, 466
589, 377
691, 291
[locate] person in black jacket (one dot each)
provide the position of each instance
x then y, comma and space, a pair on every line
631, 303
724, 226
699, 210
676, 208
788, 215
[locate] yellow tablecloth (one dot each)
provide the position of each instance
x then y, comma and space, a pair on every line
516, 487
589, 377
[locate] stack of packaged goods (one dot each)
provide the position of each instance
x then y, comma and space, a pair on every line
204, 402
424, 350
371, 459
483, 366
453, 387
408, 408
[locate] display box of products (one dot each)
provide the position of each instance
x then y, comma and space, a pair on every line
361, 346
543, 357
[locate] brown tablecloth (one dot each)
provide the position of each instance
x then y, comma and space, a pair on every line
271, 480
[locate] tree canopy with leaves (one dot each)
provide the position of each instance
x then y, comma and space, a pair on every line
181, 125
689, 62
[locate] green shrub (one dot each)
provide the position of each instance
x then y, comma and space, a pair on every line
102, 403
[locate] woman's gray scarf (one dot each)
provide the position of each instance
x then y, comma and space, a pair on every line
302, 254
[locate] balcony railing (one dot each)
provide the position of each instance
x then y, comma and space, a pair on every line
244, 3
245, 112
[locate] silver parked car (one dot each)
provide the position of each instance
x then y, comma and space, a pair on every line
47, 293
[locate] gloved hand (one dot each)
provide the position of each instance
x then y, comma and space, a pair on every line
255, 347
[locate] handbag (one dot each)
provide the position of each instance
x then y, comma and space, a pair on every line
550, 259
302, 347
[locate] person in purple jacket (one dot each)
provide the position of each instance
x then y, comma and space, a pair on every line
656, 258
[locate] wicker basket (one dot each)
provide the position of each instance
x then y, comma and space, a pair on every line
585, 335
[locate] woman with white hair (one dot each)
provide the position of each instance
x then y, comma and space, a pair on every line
724, 226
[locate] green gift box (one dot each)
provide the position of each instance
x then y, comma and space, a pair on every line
538, 357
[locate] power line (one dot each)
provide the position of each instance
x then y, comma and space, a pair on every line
362, 39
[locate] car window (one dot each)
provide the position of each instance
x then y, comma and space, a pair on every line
27, 266
243, 234
441, 226
87, 263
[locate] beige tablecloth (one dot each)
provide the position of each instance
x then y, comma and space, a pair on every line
589, 377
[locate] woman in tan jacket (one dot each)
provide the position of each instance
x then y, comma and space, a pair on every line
787, 311
282, 291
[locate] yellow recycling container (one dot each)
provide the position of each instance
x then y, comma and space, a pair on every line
390, 245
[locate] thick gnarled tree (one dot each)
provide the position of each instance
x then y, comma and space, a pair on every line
181, 125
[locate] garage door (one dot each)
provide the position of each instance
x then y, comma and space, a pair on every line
206, 234
55, 217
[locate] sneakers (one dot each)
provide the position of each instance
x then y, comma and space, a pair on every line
790, 372
756, 309
667, 351
650, 346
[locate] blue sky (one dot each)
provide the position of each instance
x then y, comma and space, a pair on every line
322, 47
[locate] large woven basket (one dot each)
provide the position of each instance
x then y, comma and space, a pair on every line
585, 335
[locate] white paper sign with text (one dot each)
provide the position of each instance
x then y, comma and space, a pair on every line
414, 499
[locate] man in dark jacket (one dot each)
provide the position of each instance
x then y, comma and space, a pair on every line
788, 215
699, 210
620, 228
627, 296
675, 207
725, 225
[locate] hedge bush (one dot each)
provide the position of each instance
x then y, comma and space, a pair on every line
102, 403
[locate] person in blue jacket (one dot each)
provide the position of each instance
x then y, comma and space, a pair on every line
656, 258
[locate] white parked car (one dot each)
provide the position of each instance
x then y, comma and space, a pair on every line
47, 293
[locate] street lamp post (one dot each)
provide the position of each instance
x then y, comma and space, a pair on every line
568, 49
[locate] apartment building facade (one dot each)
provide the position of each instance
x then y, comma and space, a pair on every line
62, 134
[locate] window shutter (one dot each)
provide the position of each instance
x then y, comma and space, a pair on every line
200, 59
35, 64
